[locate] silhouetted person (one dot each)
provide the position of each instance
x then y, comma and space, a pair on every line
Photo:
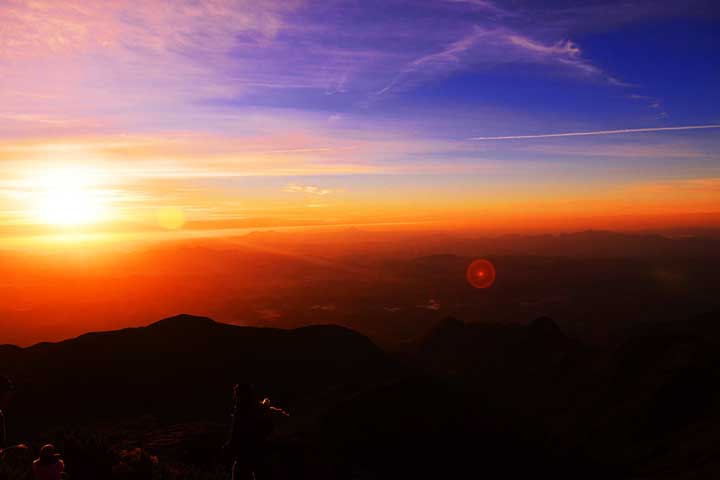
48, 466
5, 389
252, 425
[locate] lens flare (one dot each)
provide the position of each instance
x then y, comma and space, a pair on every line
170, 218
481, 273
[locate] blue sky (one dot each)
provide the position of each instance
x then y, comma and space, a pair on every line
163, 98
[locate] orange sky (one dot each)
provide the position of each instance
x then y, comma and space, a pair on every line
69, 203
126, 122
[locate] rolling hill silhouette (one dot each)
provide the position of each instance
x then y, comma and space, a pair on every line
181, 368
507, 401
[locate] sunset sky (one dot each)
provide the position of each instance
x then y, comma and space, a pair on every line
137, 118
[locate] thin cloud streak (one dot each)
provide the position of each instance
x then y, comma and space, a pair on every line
496, 45
597, 132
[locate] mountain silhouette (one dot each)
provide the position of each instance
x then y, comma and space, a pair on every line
503, 400
181, 368
484, 348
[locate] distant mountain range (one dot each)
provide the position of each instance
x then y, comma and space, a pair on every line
588, 243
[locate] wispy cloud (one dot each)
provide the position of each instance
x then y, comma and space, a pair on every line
308, 189
563, 52
482, 4
129, 57
597, 132
47, 27
194, 54
710, 185
651, 102
497, 45
440, 62
652, 150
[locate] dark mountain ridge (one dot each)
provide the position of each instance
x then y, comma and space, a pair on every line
467, 397
182, 368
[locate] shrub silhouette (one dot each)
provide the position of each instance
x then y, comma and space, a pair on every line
87, 455
16, 463
137, 464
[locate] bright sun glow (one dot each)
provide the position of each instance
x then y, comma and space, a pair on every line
67, 197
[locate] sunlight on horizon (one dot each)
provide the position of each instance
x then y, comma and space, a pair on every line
67, 197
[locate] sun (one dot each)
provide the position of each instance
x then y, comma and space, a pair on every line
67, 197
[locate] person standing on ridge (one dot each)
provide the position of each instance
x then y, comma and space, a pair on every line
251, 428
48, 466
5, 389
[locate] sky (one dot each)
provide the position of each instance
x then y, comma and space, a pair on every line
123, 119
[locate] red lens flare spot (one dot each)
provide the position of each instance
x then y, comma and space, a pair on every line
481, 273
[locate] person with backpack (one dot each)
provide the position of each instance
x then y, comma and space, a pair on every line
252, 426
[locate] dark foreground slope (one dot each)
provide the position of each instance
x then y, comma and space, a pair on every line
466, 400
512, 401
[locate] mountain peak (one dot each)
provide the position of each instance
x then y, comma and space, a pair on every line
546, 326
183, 321
447, 329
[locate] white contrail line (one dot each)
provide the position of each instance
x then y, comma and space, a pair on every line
597, 132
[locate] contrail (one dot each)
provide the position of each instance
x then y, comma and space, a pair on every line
597, 132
